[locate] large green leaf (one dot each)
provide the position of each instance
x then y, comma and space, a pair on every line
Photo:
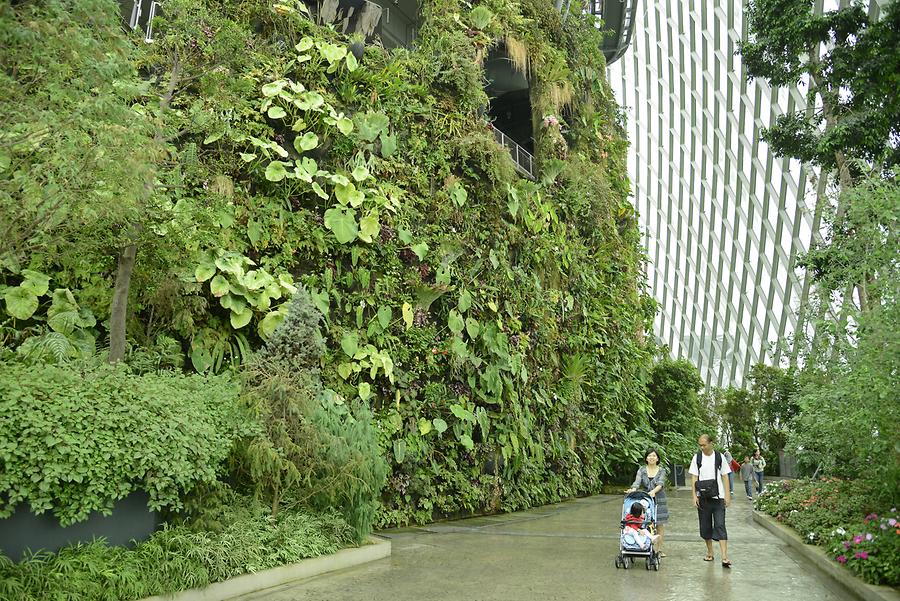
276, 172
473, 328
370, 125
369, 227
270, 322
343, 223
272, 89
348, 194
307, 141
388, 144
455, 322
399, 450
276, 112
35, 281
365, 390
231, 262
421, 249
20, 302
465, 301
219, 286
424, 426
204, 271
407, 315
384, 316
458, 194
350, 343
439, 425
241, 318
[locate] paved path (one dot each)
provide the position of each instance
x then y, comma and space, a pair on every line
566, 551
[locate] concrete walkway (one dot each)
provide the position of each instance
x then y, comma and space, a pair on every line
566, 551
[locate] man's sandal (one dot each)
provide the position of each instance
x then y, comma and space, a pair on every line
726, 564
708, 558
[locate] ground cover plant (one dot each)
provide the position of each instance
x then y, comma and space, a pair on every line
843, 516
177, 557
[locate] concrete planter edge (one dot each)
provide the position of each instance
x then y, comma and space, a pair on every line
377, 548
848, 581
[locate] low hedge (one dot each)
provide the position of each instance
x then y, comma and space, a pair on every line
76, 439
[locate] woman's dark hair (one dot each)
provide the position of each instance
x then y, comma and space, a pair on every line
652, 450
637, 510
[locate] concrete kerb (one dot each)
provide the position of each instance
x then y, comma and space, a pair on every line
853, 585
377, 548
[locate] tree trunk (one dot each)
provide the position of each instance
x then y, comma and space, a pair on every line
126, 258
119, 308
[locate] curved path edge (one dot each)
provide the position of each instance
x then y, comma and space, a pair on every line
376, 548
817, 556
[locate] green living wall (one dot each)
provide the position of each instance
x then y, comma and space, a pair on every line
493, 325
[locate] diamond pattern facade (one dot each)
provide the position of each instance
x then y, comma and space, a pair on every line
723, 218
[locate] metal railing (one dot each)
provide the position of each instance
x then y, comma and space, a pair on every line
522, 158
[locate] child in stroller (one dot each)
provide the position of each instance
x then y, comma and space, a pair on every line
637, 532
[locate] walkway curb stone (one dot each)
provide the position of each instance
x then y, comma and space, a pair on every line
817, 556
378, 548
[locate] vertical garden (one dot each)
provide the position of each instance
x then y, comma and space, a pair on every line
265, 272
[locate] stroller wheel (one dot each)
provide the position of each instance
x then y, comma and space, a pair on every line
618, 563
656, 566
647, 564
626, 563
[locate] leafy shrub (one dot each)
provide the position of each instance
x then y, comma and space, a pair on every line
870, 548
827, 512
175, 558
76, 440
815, 507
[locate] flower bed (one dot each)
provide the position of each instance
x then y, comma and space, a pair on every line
841, 516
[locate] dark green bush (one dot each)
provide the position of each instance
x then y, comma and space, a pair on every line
76, 440
315, 450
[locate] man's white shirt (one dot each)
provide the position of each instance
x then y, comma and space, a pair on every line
708, 470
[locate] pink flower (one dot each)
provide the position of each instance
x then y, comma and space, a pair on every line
892, 522
857, 539
863, 555
846, 544
842, 559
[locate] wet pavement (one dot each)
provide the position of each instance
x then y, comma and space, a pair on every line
566, 551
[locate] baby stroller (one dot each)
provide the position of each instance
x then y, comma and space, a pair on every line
630, 545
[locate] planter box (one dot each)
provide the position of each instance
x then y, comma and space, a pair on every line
376, 548
130, 520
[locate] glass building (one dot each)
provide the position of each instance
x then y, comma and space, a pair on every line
723, 218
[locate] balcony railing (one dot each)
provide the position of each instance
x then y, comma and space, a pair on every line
522, 158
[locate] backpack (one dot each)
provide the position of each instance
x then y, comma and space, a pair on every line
708, 489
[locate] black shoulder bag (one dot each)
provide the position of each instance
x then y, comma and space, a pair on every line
708, 489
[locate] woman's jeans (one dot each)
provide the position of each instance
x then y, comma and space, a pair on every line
759, 482
749, 488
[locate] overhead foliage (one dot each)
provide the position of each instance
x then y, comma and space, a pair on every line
850, 67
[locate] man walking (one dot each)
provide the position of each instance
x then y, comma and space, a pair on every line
709, 483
